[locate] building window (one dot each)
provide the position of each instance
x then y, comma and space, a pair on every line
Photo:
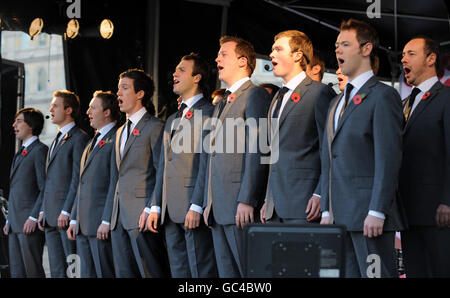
42, 80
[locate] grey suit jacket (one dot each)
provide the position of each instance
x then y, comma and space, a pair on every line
90, 206
177, 171
236, 176
136, 170
63, 172
295, 177
27, 179
425, 172
361, 159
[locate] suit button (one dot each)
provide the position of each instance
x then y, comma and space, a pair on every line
334, 155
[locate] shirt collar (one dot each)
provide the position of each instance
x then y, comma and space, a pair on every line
190, 102
295, 81
136, 117
238, 84
360, 80
428, 84
105, 129
30, 141
66, 128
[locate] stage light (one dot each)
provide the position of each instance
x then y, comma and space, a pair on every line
36, 27
73, 26
106, 29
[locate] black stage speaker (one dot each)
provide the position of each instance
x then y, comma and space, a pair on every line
294, 250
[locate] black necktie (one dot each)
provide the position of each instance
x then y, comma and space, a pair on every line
348, 90
279, 100
18, 154
178, 115
409, 104
129, 123
223, 102
94, 140
56, 142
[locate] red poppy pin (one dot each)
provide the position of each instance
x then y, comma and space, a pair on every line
189, 114
426, 95
66, 136
24, 152
136, 132
231, 97
357, 99
295, 97
101, 143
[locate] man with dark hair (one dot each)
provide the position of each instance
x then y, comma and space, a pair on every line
425, 172
61, 183
316, 68
297, 118
189, 242
234, 181
27, 178
271, 88
91, 212
136, 157
361, 156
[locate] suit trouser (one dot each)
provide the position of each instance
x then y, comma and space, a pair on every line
381, 250
426, 251
59, 248
276, 219
25, 254
95, 256
138, 254
191, 252
229, 250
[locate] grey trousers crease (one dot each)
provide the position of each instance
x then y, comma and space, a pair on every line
59, 248
229, 250
191, 252
96, 257
426, 251
358, 248
25, 254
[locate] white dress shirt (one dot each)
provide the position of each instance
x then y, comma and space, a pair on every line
64, 130
357, 83
135, 118
291, 85
424, 87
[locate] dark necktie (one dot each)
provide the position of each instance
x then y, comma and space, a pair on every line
129, 123
223, 102
279, 100
56, 142
409, 104
94, 140
348, 90
18, 154
178, 115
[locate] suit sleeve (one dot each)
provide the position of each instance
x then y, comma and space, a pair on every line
39, 167
254, 177
446, 124
156, 199
323, 102
78, 148
113, 177
155, 144
387, 142
324, 173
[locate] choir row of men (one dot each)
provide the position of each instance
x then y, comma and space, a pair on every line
130, 206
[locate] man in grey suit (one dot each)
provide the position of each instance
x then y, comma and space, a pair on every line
91, 212
235, 174
189, 241
61, 183
425, 171
361, 156
297, 118
27, 178
138, 144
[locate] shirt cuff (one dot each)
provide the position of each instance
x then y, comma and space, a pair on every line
326, 214
377, 214
196, 208
42, 212
106, 223
32, 218
314, 194
156, 209
73, 222
65, 213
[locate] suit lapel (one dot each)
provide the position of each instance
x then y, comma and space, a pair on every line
60, 144
365, 89
422, 105
118, 139
98, 148
132, 137
330, 122
301, 89
20, 157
